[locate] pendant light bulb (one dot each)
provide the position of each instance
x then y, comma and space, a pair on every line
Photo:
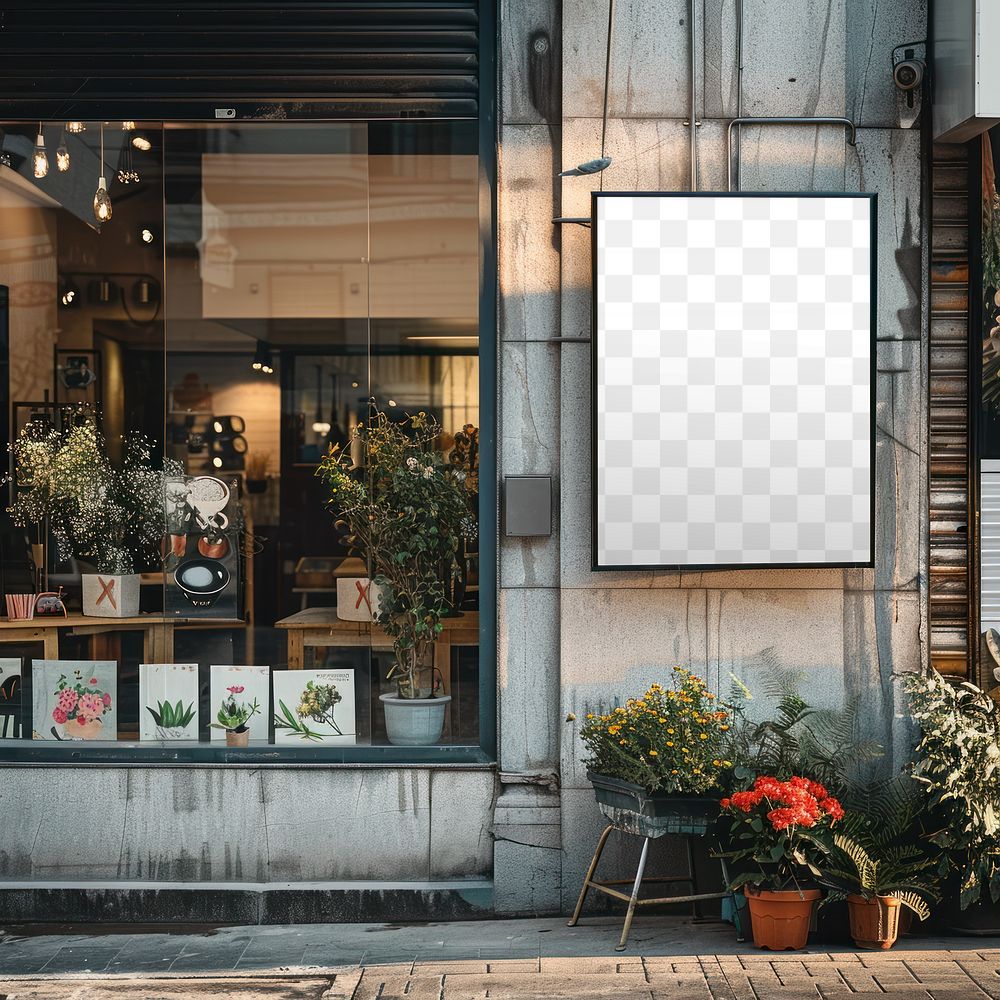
62, 157
102, 202
39, 159
75, 128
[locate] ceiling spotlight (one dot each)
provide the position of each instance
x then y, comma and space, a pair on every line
69, 293
147, 235
355, 384
262, 359
75, 128
392, 402
128, 126
217, 462
141, 143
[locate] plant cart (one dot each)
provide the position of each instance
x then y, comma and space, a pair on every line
630, 809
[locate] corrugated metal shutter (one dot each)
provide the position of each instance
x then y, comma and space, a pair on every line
989, 544
264, 59
951, 602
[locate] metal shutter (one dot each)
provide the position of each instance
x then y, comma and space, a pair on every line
263, 59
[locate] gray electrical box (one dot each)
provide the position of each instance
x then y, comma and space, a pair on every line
527, 505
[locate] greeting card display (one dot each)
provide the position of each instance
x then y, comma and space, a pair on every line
74, 699
239, 696
10, 698
168, 701
202, 548
314, 707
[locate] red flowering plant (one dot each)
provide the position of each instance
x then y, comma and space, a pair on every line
781, 830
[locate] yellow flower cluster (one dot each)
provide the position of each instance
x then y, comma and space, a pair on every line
670, 739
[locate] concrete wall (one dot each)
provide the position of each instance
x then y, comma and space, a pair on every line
597, 635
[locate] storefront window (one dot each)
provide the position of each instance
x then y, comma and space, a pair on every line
268, 308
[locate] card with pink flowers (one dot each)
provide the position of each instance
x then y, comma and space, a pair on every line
74, 699
240, 688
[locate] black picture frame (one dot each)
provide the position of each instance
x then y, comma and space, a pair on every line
599, 567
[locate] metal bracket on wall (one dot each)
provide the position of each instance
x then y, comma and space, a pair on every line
750, 120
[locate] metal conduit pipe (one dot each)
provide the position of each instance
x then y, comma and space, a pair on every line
749, 120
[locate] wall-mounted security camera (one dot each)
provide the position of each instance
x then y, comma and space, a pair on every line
909, 69
908, 74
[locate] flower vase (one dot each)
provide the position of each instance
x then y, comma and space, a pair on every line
92, 730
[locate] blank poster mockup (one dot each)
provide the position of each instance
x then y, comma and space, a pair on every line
733, 380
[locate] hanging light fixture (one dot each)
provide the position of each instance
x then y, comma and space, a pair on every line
75, 128
141, 143
62, 155
39, 159
102, 200
127, 174
320, 426
262, 359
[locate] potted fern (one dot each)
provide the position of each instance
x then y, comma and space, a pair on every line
882, 862
404, 508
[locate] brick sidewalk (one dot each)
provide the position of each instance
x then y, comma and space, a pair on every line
910, 974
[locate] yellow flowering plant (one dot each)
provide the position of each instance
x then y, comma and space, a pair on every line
672, 739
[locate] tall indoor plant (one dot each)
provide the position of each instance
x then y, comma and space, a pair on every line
405, 509
105, 515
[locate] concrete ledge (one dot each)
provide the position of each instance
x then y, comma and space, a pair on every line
244, 903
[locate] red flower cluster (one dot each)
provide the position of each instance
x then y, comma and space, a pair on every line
796, 802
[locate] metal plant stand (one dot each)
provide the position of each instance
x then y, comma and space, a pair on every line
633, 900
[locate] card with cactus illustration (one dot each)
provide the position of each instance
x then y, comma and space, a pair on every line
168, 701
240, 696
74, 699
313, 707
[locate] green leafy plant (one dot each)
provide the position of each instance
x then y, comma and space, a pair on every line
110, 516
956, 764
880, 848
829, 745
168, 716
668, 740
234, 715
405, 509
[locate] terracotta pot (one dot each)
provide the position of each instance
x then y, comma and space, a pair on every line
235, 739
89, 731
781, 919
874, 922
213, 548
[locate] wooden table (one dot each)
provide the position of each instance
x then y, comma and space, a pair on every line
157, 631
320, 627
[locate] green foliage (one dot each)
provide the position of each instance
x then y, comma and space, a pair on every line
287, 720
881, 847
405, 509
235, 715
97, 512
169, 716
956, 765
824, 744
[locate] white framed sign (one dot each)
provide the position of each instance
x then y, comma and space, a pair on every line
733, 380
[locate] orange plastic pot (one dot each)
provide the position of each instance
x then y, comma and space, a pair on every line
874, 922
781, 919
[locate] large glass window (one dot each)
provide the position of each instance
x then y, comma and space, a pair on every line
276, 336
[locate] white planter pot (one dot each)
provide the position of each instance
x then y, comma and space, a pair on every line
414, 722
108, 596
358, 599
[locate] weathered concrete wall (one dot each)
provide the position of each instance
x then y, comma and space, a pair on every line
603, 634
235, 824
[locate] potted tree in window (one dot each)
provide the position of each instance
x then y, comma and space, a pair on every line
404, 509
105, 516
